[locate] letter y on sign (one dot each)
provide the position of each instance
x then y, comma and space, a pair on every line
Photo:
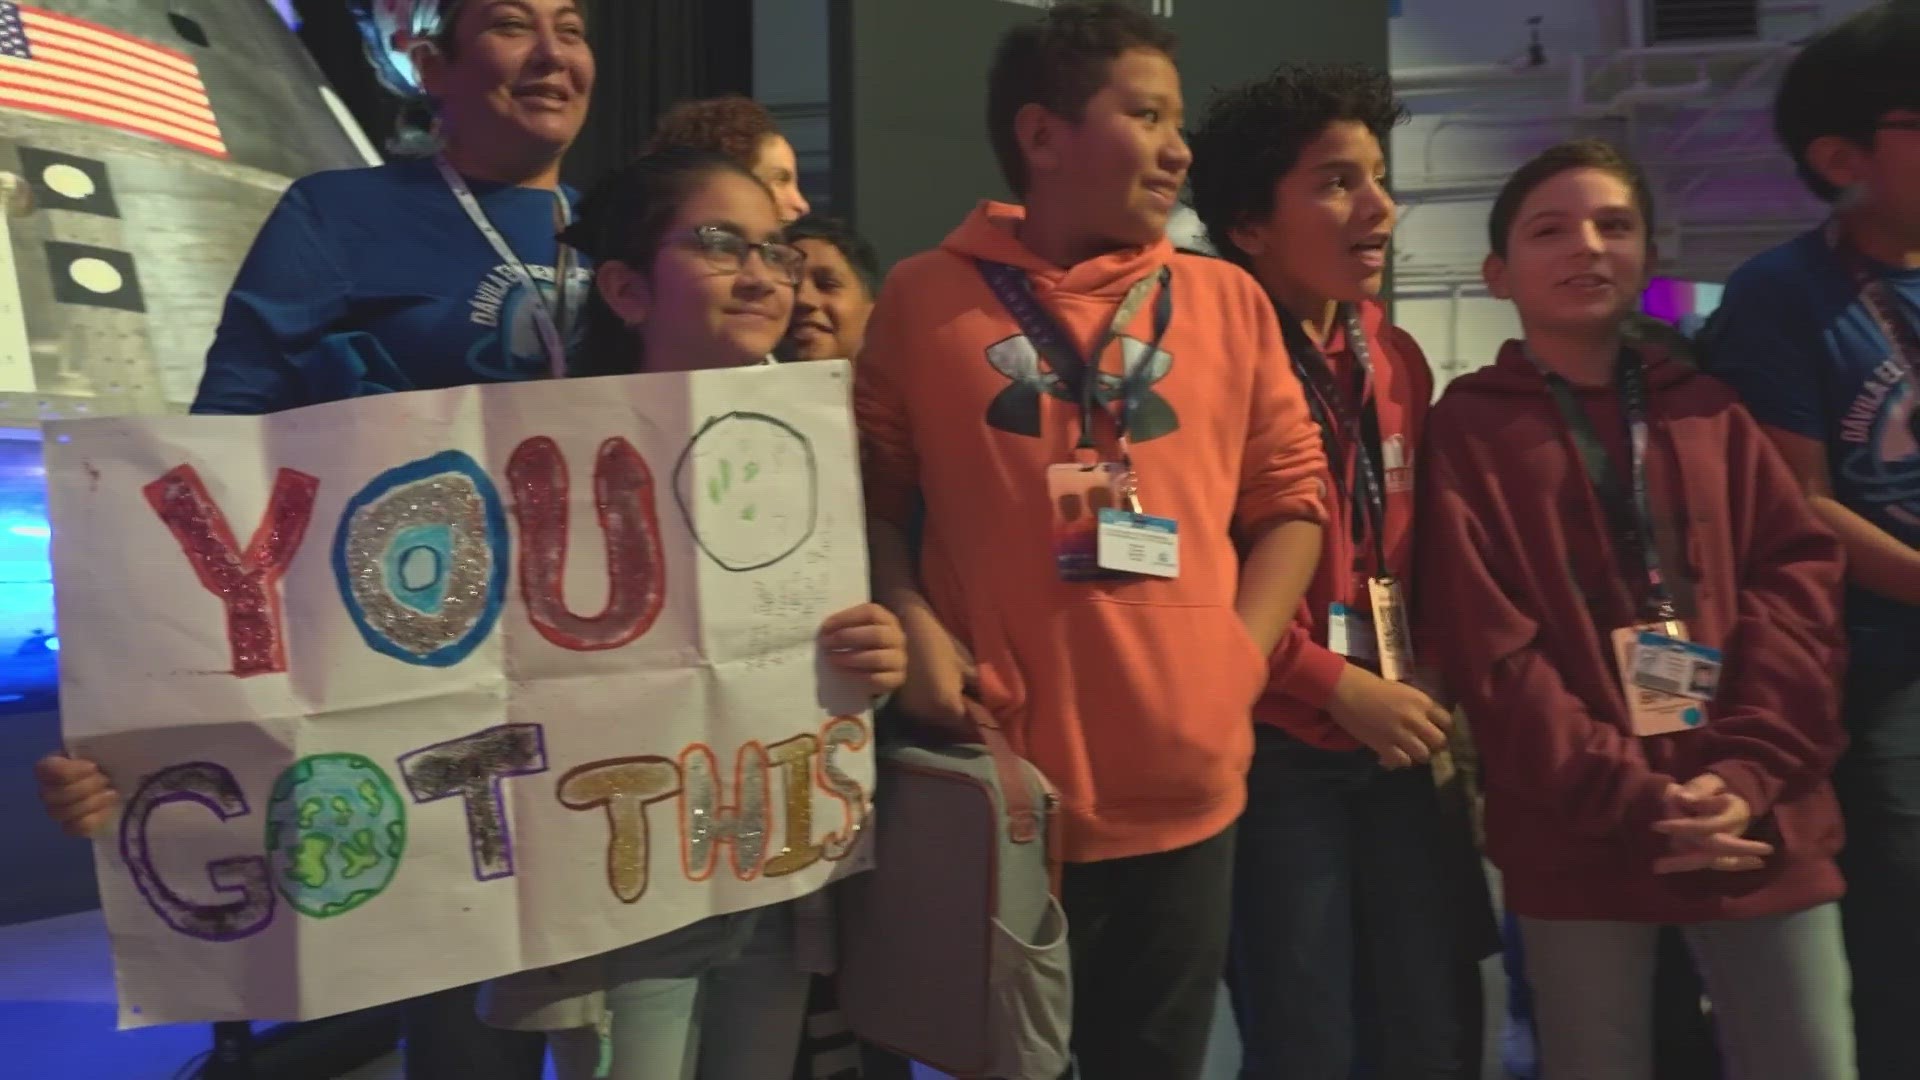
247, 582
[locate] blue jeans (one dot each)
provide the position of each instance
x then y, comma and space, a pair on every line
722, 999
1351, 875
1879, 787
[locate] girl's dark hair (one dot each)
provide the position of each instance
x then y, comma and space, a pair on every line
624, 219
1551, 162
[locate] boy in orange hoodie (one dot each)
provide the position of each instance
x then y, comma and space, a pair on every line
1127, 679
1343, 824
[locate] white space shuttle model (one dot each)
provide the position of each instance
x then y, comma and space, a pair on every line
142, 142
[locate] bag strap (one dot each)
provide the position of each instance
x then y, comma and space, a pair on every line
1023, 817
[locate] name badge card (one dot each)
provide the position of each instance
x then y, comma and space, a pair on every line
1350, 633
1080, 494
1667, 679
1391, 628
1131, 543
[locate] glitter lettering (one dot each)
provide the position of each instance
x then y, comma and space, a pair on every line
636, 566
421, 559
626, 787
706, 822
472, 768
843, 733
246, 583
795, 760
213, 787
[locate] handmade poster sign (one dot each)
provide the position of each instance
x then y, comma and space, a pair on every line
411, 691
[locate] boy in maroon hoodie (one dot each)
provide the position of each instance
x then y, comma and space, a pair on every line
1639, 611
1343, 825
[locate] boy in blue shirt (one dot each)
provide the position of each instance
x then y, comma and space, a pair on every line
1821, 336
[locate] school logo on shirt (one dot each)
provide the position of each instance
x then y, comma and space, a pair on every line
1397, 463
1016, 409
1880, 437
503, 304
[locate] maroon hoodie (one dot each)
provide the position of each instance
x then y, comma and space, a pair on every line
1521, 585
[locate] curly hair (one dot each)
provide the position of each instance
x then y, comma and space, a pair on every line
732, 125
1551, 162
1059, 61
1253, 134
1844, 83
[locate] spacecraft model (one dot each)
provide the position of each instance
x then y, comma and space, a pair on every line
142, 142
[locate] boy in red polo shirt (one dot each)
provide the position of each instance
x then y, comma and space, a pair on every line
1342, 816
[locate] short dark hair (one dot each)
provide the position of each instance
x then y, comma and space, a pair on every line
731, 124
1253, 133
1844, 82
1060, 61
1551, 162
446, 32
624, 219
832, 230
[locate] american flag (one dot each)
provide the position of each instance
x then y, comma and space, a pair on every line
72, 68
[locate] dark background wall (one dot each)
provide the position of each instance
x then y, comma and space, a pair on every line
909, 91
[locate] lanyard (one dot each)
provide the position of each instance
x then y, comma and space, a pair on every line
1877, 298
1631, 511
1095, 389
1356, 419
548, 318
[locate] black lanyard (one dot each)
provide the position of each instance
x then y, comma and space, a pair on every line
1629, 510
1894, 317
1346, 420
1082, 376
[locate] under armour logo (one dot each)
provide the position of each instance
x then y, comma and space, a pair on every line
1016, 409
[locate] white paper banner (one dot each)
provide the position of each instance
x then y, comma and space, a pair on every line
411, 691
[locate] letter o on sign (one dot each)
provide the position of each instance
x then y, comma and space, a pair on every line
421, 558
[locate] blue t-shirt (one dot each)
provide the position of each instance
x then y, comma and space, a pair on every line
367, 281
1793, 336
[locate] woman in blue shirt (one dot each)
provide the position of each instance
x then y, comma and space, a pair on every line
376, 280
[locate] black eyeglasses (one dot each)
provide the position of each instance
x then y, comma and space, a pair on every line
727, 251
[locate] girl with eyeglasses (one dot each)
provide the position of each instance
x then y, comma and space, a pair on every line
693, 274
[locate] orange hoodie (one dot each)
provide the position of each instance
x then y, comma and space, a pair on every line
1134, 697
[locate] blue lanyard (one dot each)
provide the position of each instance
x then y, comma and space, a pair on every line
1349, 420
1082, 375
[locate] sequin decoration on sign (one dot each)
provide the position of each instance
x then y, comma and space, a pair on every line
843, 733
247, 583
708, 822
749, 488
794, 759
472, 767
625, 787
242, 877
421, 559
636, 568
335, 831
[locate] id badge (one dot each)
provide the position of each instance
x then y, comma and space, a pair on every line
1391, 628
1131, 543
1350, 634
1663, 676
1079, 494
